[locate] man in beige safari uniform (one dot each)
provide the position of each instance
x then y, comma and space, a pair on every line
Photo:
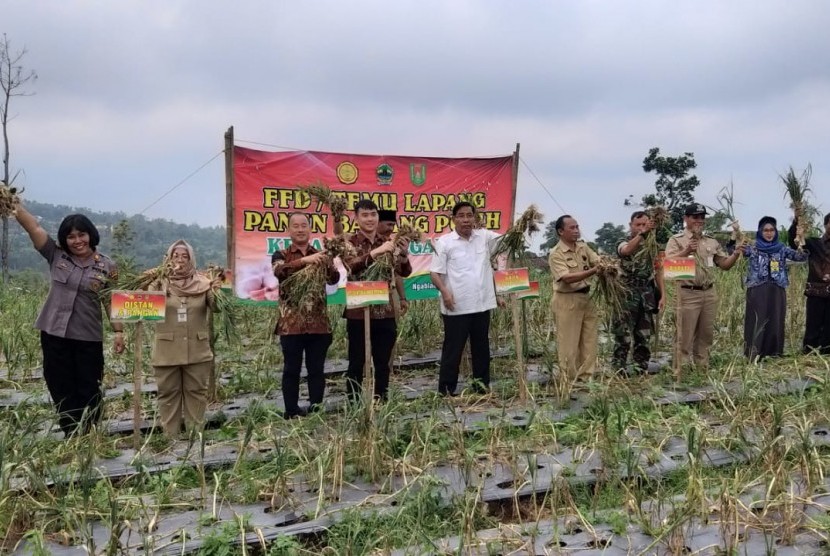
698, 303
572, 263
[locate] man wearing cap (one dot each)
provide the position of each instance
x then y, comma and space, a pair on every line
698, 303
572, 263
386, 222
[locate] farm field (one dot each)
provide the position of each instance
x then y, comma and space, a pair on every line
732, 461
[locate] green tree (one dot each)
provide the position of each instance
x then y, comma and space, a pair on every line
674, 186
122, 246
551, 237
609, 236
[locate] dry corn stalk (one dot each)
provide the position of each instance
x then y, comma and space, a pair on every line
609, 289
797, 190
701, 268
382, 268
338, 247
651, 247
726, 198
305, 288
9, 199
222, 301
324, 195
148, 279
512, 243
407, 232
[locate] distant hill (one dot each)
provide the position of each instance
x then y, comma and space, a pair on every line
151, 237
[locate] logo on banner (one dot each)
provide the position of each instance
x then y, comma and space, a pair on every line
384, 173
347, 173
417, 174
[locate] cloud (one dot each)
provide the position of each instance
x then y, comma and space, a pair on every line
134, 96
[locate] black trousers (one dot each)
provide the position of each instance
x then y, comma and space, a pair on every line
74, 370
817, 329
457, 328
383, 334
314, 346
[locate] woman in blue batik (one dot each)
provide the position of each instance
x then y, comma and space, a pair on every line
766, 291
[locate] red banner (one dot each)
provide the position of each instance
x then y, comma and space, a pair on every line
422, 190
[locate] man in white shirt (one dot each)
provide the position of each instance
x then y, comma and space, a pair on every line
462, 272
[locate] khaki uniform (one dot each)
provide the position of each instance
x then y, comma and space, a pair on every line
574, 315
182, 362
698, 304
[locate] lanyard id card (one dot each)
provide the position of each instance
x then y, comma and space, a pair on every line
181, 314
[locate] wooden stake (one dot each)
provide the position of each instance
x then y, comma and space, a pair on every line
229, 196
137, 378
525, 335
368, 377
517, 335
396, 311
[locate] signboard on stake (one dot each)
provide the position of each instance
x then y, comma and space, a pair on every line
511, 280
364, 294
137, 306
679, 269
531, 293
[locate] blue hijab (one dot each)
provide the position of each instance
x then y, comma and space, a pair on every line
764, 246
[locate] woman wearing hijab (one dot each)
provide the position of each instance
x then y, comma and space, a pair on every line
182, 358
71, 322
766, 291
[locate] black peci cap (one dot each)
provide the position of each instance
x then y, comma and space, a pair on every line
387, 216
695, 208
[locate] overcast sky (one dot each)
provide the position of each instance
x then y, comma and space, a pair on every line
133, 96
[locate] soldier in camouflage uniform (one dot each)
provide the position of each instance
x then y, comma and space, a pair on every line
637, 320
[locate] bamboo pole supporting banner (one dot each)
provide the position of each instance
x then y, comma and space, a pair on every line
514, 304
229, 205
515, 184
137, 379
